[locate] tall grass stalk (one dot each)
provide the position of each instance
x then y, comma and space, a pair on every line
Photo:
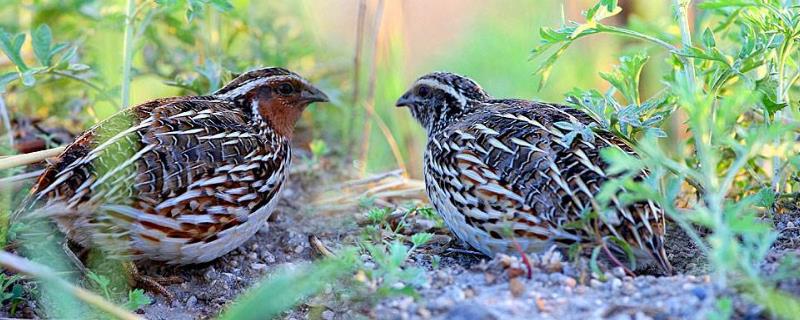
127, 52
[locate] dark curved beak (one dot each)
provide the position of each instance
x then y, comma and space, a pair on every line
311, 94
405, 101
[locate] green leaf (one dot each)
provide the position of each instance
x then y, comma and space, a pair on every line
625, 248
42, 40
625, 76
768, 88
708, 38
421, 239
221, 5
295, 284
11, 46
137, 299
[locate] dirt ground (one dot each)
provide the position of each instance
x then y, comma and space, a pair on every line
459, 285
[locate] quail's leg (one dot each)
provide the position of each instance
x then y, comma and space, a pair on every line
153, 284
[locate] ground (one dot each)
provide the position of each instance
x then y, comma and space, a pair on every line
459, 284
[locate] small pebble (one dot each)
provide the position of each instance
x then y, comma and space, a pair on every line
628, 288
700, 293
252, 256
258, 266
211, 274
424, 313
618, 272
268, 257
191, 302
328, 315
594, 283
615, 283
570, 282
790, 224
516, 286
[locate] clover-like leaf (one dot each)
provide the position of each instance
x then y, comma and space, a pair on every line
11, 46
42, 41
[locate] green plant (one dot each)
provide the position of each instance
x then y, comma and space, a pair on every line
294, 285
101, 281
735, 90
137, 299
390, 277
11, 290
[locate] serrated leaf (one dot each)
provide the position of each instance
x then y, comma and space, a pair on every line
625, 76
42, 40
137, 299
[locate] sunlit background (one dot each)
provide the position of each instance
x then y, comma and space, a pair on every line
399, 41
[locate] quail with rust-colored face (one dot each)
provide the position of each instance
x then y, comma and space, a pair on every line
501, 171
182, 180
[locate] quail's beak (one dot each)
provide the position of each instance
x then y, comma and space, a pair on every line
405, 101
311, 94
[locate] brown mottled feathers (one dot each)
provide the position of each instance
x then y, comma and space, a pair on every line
182, 180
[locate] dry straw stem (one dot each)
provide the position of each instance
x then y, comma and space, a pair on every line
369, 104
8, 162
27, 267
382, 188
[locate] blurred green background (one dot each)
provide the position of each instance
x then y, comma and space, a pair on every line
183, 50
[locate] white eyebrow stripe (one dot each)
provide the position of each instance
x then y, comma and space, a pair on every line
462, 100
251, 84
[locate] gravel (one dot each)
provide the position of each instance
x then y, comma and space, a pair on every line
462, 286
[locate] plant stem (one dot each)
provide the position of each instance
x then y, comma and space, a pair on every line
127, 52
362, 9
6, 122
87, 83
24, 266
28, 158
682, 10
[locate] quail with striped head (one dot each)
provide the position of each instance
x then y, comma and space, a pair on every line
182, 180
505, 173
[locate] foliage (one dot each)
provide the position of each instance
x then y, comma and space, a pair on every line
10, 291
137, 299
746, 47
293, 284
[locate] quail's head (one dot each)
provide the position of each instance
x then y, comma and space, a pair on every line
437, 99
275, 96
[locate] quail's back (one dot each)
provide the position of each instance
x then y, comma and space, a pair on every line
181, 180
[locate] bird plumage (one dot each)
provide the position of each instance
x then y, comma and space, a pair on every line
181, 180
502, 171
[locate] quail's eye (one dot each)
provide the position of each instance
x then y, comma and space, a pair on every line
424, 91
285, 89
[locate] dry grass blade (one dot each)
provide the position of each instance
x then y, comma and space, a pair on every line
320, 247
9, 162
385, 189
27, 267
369, 104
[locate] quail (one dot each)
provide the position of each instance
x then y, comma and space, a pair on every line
506, 176
182, 180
